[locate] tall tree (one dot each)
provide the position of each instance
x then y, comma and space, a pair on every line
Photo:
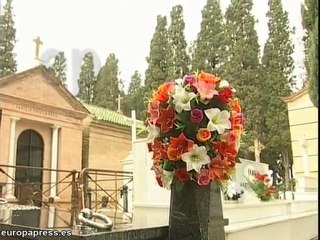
157, 70
278, 67
242, 69
8, 64
209, 45
310, 24
107, 87
178, 61
59, 67
87, 79
134, 99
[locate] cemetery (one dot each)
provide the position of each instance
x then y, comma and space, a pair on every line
131, 205
149, 207
217, 140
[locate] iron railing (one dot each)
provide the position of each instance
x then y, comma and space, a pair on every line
97, 189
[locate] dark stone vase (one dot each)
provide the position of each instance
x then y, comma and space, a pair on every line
196, 212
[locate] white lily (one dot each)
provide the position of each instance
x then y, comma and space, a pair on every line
196, 157
167, 178
182, 98
153, 131
218, 120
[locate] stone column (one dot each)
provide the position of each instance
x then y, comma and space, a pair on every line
11, 157
54, 160
51, 217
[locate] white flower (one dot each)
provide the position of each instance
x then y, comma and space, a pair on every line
166, 178
218, 120
153, 131
231, 189
179, 81
196, 157
223, 83
182, 98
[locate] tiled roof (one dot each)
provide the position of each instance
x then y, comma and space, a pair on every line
106, 115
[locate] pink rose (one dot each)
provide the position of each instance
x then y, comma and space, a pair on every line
196, 115
203, 177
189, 79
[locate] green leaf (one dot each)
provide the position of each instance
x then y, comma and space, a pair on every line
179, 185
168, 165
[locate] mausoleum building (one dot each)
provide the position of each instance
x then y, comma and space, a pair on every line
43, 125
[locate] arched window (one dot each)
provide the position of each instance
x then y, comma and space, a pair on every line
29, 153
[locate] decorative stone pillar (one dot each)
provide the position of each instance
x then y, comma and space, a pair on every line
196, 212
11, 157
54, 160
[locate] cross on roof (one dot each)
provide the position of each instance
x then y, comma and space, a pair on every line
37, 48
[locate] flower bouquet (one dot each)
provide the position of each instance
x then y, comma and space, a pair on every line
261, 186
194, 127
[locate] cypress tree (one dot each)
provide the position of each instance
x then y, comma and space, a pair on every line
242, 69
8, 64
310, 24
87, 79
157, 70
278, 67
59, 67
178, 61
134, 99
107, 87
209, 45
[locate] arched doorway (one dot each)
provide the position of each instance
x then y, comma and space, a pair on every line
29, 153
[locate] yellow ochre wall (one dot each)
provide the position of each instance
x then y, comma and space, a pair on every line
303, 119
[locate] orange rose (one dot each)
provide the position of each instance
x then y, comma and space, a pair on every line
207, 77
204, 134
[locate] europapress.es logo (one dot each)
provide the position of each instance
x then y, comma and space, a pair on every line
74, 60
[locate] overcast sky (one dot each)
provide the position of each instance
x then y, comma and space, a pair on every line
123, 27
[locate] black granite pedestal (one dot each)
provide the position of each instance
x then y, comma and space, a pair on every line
196, 212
